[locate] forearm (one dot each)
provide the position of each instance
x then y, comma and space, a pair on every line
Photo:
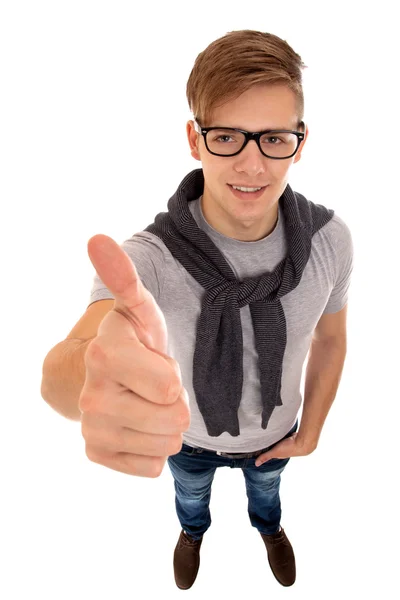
323, 373
63, 377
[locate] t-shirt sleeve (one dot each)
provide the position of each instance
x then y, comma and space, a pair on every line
146, 252
344, 258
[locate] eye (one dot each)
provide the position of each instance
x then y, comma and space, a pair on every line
219, 138
273, 140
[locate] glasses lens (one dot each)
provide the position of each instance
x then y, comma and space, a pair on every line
227, 142
279, 145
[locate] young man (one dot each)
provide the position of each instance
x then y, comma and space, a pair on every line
249, 276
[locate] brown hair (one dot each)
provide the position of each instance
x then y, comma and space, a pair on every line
238, 61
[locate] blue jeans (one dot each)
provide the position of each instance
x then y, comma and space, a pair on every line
193, 471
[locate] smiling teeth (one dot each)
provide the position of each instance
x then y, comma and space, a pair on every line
245, 189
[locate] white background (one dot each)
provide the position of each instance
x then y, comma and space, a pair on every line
86, 89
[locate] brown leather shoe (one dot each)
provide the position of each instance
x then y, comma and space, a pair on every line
186, 560
280, 557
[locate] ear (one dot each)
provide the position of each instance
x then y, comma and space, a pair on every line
193, 138
300, 150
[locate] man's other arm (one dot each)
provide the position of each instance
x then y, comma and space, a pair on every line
323, 373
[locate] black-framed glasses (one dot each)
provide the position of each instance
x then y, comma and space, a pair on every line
277, 144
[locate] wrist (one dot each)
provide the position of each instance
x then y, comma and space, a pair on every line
307, 445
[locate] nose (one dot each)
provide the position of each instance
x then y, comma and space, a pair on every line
250, 160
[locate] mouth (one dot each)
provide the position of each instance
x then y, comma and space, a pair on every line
247, 195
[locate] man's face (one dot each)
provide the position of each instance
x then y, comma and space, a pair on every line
260, 108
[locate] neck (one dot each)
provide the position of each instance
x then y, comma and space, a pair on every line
243, 231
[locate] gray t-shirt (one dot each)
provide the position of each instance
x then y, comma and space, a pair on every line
323, 288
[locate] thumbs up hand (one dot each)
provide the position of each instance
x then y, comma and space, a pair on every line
134, 407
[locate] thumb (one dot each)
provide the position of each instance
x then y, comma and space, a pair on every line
263, 458
118, 273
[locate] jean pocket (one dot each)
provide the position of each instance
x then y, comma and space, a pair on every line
274, 464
